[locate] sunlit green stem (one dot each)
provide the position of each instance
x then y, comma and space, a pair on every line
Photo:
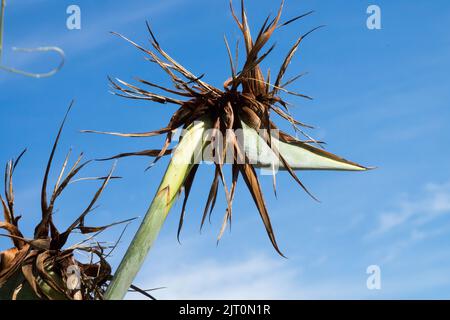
186, 154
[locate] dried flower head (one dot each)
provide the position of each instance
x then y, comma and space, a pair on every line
246, 102
41, 267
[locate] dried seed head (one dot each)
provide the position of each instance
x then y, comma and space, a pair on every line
246, 100
42, 267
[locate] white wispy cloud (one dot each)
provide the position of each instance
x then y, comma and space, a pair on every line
414, 220
257, 277
192, 277
186, 274
191, 271
417, 211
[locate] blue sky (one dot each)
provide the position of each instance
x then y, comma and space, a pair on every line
381, 99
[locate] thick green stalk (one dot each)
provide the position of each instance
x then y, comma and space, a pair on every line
184, 157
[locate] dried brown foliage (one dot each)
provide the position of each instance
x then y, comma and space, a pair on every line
41, 267
247, 96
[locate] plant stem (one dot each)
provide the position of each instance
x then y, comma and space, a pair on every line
184, 158
2, 18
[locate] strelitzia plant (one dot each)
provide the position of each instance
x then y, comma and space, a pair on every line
44, 267
209, 114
